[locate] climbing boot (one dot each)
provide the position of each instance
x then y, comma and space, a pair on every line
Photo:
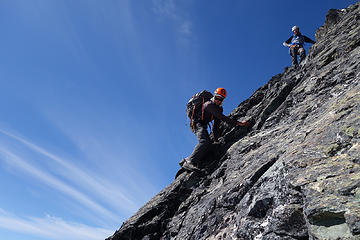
181, 163
190, 166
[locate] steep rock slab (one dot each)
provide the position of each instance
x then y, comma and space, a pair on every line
295, 175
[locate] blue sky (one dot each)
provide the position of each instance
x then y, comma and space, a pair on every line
93, 96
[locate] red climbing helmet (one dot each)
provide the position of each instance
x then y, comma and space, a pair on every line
220, 92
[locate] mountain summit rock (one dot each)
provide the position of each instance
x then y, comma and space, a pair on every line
295, 175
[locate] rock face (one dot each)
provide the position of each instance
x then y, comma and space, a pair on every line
295, 174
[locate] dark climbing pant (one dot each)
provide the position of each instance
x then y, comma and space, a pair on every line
204, 143
297, 50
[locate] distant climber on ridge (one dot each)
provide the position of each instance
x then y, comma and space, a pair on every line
296, 45
202, 108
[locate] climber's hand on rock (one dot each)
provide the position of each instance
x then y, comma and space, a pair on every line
244, 124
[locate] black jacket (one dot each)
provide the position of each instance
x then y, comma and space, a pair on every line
215, 112
305, 38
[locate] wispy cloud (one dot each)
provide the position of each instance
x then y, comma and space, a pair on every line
51, 227
165, 8
185, 28
54, 182
168, 9
109, 192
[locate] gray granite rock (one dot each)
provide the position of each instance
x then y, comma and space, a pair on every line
295, 174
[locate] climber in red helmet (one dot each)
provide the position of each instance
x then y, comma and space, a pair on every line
212, 110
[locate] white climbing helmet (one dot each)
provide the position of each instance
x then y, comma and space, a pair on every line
295, 27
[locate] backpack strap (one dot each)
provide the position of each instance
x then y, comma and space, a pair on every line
192, 116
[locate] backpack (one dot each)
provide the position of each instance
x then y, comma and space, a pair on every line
194, 107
